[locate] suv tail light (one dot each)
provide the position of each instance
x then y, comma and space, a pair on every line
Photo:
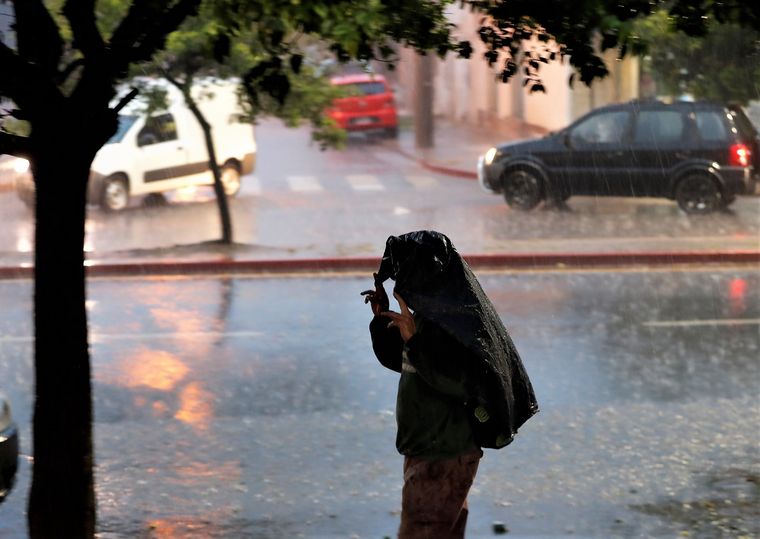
739, 155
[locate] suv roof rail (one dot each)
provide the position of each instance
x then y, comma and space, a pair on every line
646, 100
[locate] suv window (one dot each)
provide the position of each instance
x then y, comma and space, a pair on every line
711, 125
603, 128
659, 127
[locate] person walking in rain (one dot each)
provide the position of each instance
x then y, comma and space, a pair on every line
462, 386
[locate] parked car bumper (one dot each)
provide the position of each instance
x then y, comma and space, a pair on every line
738, 180
363, 121
488, 175
483, 175
24, 185
25, 188
11, 169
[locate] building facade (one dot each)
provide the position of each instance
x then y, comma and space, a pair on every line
467, 90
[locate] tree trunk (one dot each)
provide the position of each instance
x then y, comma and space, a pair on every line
221, 195
186, 87
62, 496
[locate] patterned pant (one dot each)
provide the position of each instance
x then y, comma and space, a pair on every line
434, 498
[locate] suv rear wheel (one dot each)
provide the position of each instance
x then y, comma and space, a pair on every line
699, 194
522, 190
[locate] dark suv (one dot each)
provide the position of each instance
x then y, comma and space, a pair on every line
700, 154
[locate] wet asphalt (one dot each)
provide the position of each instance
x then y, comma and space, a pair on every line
303, 202
253, 407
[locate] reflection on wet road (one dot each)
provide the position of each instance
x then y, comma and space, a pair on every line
253, 407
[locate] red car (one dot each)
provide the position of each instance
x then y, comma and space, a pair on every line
370, 107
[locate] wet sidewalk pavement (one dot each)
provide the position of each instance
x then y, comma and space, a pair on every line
457, 147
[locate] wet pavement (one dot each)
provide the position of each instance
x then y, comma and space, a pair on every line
253, 407
457, 146
304, 203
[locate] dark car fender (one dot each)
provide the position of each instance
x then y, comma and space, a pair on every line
687, 168
528, 163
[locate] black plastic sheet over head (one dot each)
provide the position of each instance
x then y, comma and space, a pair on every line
438, 285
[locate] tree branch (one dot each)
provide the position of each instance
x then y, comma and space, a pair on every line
26, 84
125, 100
143, 31
69, 69
38, 37
14, 145
87, 38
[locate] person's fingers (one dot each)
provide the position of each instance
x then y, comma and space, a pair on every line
367, 292
402, 304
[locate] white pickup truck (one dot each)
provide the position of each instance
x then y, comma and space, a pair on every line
167, 150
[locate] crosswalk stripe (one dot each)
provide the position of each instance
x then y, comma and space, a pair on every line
304, 183
422, 182
364, 182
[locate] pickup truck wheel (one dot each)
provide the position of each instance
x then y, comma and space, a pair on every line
115, 195
231, 179
522, 190
698, 194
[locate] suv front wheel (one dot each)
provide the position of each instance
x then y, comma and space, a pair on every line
522, 190
699, 194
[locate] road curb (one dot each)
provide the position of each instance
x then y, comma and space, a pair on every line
526, 261
428, 165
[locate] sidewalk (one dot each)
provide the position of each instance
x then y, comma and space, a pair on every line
457, 147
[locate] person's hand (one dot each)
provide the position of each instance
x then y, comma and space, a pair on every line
404, 320
377, 298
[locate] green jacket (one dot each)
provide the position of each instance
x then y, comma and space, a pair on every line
430, 405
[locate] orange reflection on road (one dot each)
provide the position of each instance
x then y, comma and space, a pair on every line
196, 407
179, 320
225, 471
214, 523
737, 294
156, 369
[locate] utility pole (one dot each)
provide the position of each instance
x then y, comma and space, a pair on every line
423, 101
